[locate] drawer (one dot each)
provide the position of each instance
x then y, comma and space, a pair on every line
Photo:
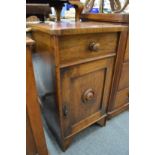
122, 97
124, 79
74, 48
126, 56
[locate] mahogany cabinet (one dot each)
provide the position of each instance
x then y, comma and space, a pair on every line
83, 56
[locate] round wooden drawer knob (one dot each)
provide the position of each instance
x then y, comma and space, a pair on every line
94, 46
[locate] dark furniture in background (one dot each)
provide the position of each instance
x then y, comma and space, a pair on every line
42, 11
41, 7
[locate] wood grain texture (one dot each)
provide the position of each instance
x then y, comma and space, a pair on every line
117, 70
72, 28
75, 81
118, 18
31, 148
124, 78
29, 42
122, 97
126, 56
78, 48
117, 111
32, 105
119, 98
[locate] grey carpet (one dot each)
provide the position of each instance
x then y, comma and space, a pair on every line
113, 139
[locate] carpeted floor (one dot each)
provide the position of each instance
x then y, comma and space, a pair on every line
113, 139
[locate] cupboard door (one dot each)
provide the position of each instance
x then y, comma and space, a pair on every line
85, 91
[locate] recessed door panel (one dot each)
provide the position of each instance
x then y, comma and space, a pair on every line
85, 93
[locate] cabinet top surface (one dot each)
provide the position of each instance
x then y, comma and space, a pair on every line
69, 28
29, 41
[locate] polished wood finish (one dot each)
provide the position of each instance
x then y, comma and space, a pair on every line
83, 95
35, 134
117, 111
72, 28
122, 97
118, 18
89, 46
124, 78
31, 148
126, 56
83, 76
119, 98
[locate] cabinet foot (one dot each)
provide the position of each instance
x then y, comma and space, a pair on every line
101, 122
66, 143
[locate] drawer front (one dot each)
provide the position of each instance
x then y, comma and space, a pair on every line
126, 56
85, 92
78, 47
122, 97
124, 79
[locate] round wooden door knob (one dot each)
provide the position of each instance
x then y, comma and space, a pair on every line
94, 46
88, 96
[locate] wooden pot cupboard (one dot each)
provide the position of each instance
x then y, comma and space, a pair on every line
83, 67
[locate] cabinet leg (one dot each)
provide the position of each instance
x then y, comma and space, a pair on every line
66, 143
102, 122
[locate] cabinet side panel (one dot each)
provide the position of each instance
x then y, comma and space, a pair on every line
117, 69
